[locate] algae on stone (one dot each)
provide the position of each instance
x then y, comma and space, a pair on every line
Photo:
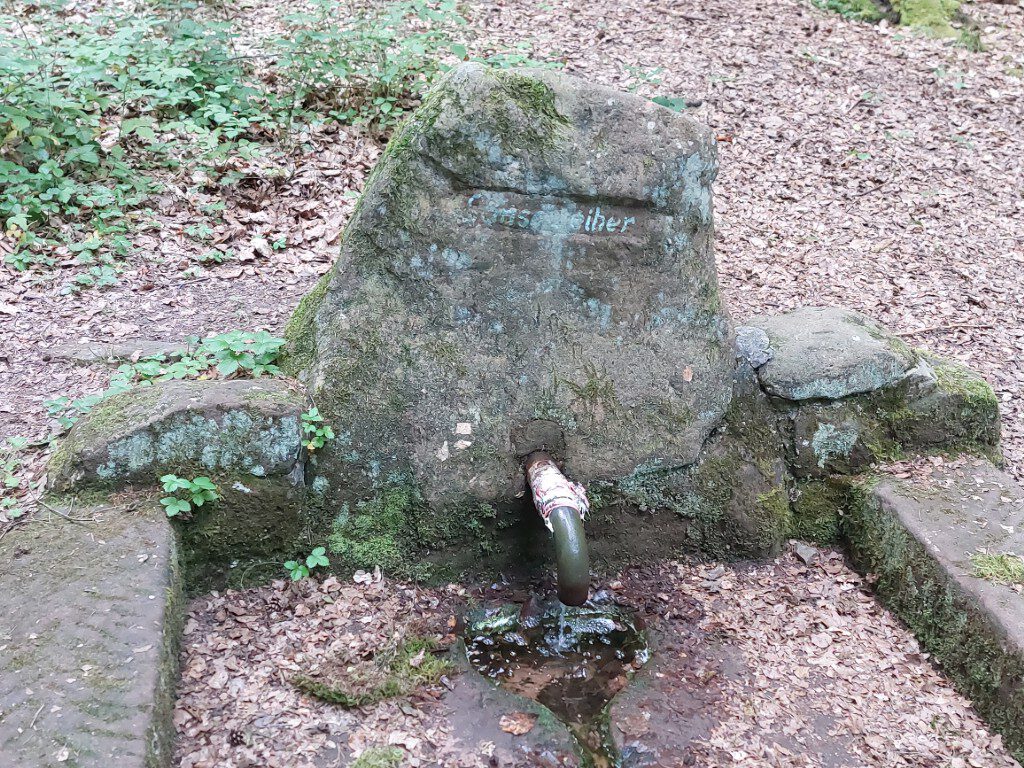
817, 509
182, 427
933, 16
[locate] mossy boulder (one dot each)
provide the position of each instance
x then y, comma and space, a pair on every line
939, 407
244, 428
932, 16
818, 508
732, 503
531, 247
853, 393
827, 353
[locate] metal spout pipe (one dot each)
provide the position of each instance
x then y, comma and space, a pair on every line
563, 505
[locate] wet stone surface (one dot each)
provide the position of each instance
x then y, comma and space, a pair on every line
571, 660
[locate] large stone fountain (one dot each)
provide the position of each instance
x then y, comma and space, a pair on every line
530, 268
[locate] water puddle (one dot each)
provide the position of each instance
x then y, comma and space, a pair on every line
571, 660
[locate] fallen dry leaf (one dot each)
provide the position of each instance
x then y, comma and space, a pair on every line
518, 723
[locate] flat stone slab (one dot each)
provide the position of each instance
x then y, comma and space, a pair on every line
928, 545
474, 709
828, 353
242, 426
88, 640
89, 352
667, 709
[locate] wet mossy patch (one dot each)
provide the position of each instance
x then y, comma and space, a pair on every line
398, 531
817, 511
242, 539
393, 672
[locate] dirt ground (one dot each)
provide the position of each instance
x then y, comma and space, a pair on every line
860, 166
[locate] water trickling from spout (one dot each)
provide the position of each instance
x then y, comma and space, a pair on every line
560, 647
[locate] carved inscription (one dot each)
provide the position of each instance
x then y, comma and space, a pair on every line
546, 218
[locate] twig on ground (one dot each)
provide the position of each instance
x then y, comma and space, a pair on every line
67, 516
943, 327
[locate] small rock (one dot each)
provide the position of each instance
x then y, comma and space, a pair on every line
830, 353
807, 554
753, 345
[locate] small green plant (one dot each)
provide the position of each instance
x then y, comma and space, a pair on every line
186, 493
379, 757
640, 77
234, 354
214, 256
243, 352
970, 38
10, 481
371, 68
299, 569
317, 433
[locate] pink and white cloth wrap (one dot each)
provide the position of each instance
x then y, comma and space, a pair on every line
551, 489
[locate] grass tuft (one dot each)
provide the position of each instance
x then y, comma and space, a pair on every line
379, 757
999, 569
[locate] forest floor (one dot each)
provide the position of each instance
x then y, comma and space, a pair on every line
861, 166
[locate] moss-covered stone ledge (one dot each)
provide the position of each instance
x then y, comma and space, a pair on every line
930, 550
248, 428
853, 393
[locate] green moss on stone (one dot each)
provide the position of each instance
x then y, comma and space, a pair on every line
816, 512
108, 418
961, 416
243, 538
536, 101
161, 733
773, 516
951, 626
933, 16
300, 332
398, 531
959, 380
